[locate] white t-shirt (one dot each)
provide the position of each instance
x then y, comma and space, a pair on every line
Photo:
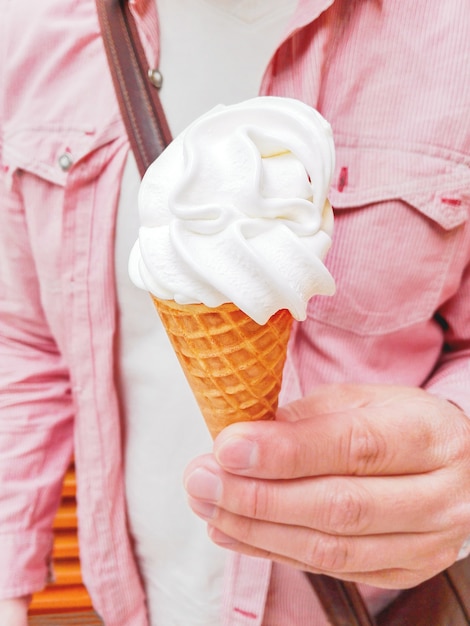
212, 51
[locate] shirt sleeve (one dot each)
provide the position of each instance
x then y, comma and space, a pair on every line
451, 378
35, 409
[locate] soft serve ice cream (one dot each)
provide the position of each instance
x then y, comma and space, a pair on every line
236, 210
235, 223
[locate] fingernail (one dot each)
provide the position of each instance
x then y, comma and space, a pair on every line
206, 510
237, 453
221, 538
204, 485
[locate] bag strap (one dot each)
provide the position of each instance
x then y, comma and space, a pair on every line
140, 105
341, 601
443, 600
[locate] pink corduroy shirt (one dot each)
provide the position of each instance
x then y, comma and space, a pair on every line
395, 85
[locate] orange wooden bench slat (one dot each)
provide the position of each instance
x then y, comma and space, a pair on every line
67, 595
66, 516
65, 544
67, 572
58, 599
69, 485
82, 618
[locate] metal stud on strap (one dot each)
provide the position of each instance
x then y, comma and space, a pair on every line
155, 77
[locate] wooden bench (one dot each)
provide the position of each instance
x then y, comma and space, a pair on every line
66, 619
66, 601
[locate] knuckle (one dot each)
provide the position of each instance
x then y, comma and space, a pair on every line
328, 553
346, 509
259, 500
449, 434
457, 514
366, 449
443, 559
405, 579
417, 576
458, 444
242, 529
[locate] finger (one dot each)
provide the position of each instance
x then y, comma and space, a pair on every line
369, 440
339, 555
394, 578
335, 505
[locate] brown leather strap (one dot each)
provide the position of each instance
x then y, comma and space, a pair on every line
443, 600
141, 110
458, 577
341, 601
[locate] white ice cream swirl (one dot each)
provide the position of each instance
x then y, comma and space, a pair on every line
236, 210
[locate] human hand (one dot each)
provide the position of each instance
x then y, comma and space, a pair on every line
14, 612
369, 484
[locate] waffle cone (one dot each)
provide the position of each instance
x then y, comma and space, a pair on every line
233, 365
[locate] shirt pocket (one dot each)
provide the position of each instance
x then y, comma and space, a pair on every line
395, 243
51, 151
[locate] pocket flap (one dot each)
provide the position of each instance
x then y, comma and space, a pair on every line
436, 184
50, 151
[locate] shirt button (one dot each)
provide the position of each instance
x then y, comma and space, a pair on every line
65, 161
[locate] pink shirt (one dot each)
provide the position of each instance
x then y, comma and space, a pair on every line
399, 110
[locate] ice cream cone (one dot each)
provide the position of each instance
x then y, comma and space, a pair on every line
235, 210
233, 365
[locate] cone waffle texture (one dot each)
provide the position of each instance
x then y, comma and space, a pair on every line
233, 365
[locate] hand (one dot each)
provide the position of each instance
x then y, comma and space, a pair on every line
365, 483
14, 612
